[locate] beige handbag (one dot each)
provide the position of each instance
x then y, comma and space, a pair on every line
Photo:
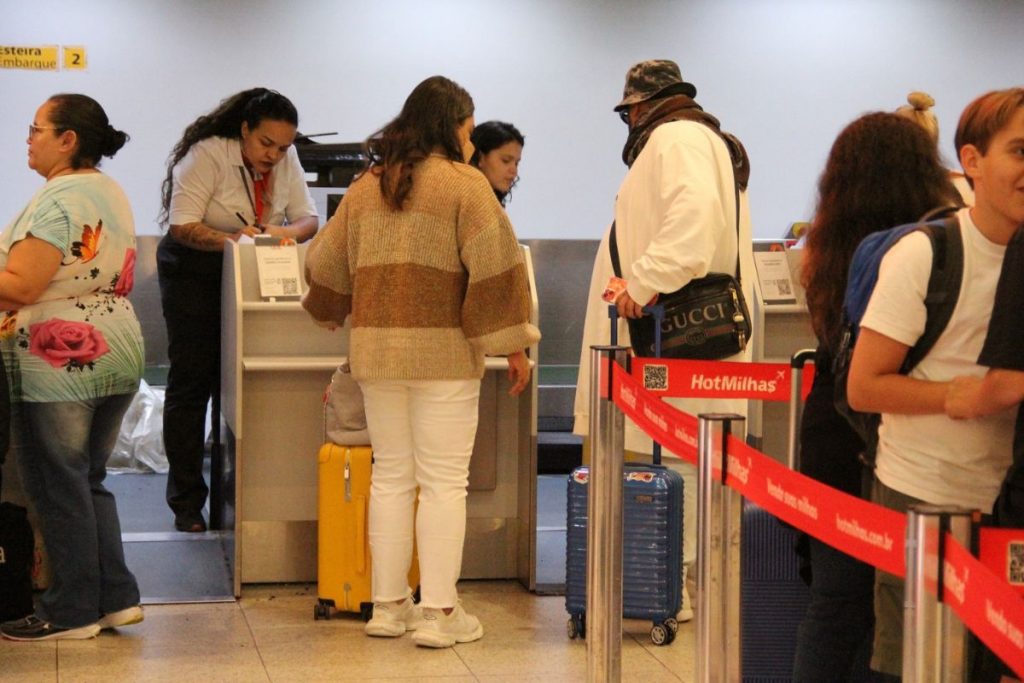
344, 414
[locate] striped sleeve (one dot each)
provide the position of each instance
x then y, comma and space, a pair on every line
329, 297
496, 308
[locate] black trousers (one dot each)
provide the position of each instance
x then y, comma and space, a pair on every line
190, 293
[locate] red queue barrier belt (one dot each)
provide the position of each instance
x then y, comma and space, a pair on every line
982, 592
718, 379
866, 531
988, 606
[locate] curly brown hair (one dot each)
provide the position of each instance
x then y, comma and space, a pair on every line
883, 170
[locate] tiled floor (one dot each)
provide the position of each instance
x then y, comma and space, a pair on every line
270, 635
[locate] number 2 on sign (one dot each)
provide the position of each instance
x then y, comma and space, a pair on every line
74, 58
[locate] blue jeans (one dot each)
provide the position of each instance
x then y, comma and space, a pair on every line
834, 639
63, 462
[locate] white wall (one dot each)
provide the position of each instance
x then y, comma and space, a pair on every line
784, 75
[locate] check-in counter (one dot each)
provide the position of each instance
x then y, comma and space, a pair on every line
275, 365
780, 330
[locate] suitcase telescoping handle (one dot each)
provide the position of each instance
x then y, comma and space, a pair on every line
658, 311
796, 404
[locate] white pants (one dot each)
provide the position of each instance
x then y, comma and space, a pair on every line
422, 433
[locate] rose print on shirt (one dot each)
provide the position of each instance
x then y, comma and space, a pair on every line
126, 278
86, 249
67, 344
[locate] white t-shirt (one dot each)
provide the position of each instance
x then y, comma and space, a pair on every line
211, 185
932, 457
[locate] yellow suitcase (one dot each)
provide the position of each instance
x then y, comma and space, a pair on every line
344, 577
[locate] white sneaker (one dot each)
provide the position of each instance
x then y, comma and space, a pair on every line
122, 617
391, 620
444, 630
685, 612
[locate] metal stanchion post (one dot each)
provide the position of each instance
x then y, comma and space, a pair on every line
934, 638
604, 514
719, 512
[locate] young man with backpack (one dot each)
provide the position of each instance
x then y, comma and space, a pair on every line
923, 455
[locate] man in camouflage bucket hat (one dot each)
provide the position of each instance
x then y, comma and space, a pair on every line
647, 80
675, 220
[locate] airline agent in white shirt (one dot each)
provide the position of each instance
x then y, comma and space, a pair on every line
234, 172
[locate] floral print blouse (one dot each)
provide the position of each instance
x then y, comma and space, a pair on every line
81, 339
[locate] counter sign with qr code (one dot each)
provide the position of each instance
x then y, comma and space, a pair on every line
277, 266
773, 272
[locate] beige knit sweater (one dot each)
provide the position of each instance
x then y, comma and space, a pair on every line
432, 288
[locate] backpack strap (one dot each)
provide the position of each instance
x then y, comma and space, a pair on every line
944, 285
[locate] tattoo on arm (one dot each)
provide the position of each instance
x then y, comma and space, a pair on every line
199, 236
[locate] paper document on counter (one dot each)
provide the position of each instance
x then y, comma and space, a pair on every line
278, 269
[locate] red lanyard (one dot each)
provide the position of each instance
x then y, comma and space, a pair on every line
259, 188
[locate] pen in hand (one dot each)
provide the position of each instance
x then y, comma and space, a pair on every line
245, 223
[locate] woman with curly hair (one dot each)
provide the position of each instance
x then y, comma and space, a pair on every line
883, 170
234, 172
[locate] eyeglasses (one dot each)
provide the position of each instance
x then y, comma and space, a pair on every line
33, 129
624, 115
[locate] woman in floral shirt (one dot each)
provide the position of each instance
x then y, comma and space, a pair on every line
73, 350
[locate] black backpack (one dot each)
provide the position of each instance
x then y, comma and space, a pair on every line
16, 546
940, 300
16, 540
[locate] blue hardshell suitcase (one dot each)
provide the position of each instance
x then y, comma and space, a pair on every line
652, 557
774, 597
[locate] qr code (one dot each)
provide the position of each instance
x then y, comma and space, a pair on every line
656, 377
784, 287
1015, 563
289, 285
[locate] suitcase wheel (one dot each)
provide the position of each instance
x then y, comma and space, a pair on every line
577, 626
322, 610
662, 634
366, 611
672, 625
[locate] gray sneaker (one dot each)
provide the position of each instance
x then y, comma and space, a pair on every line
33, 628
391, 620
444, 630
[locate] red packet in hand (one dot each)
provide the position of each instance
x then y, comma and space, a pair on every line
616, 286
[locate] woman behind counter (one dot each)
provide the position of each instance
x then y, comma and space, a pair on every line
73, 349
497, 151
234, 172
426, 262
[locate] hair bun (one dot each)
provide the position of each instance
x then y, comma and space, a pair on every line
113, 141
920, 101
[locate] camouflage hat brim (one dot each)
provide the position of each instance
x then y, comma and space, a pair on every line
684, 88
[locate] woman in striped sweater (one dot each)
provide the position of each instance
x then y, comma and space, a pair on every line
422, 257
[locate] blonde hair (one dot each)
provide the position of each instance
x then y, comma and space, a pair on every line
918, 110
